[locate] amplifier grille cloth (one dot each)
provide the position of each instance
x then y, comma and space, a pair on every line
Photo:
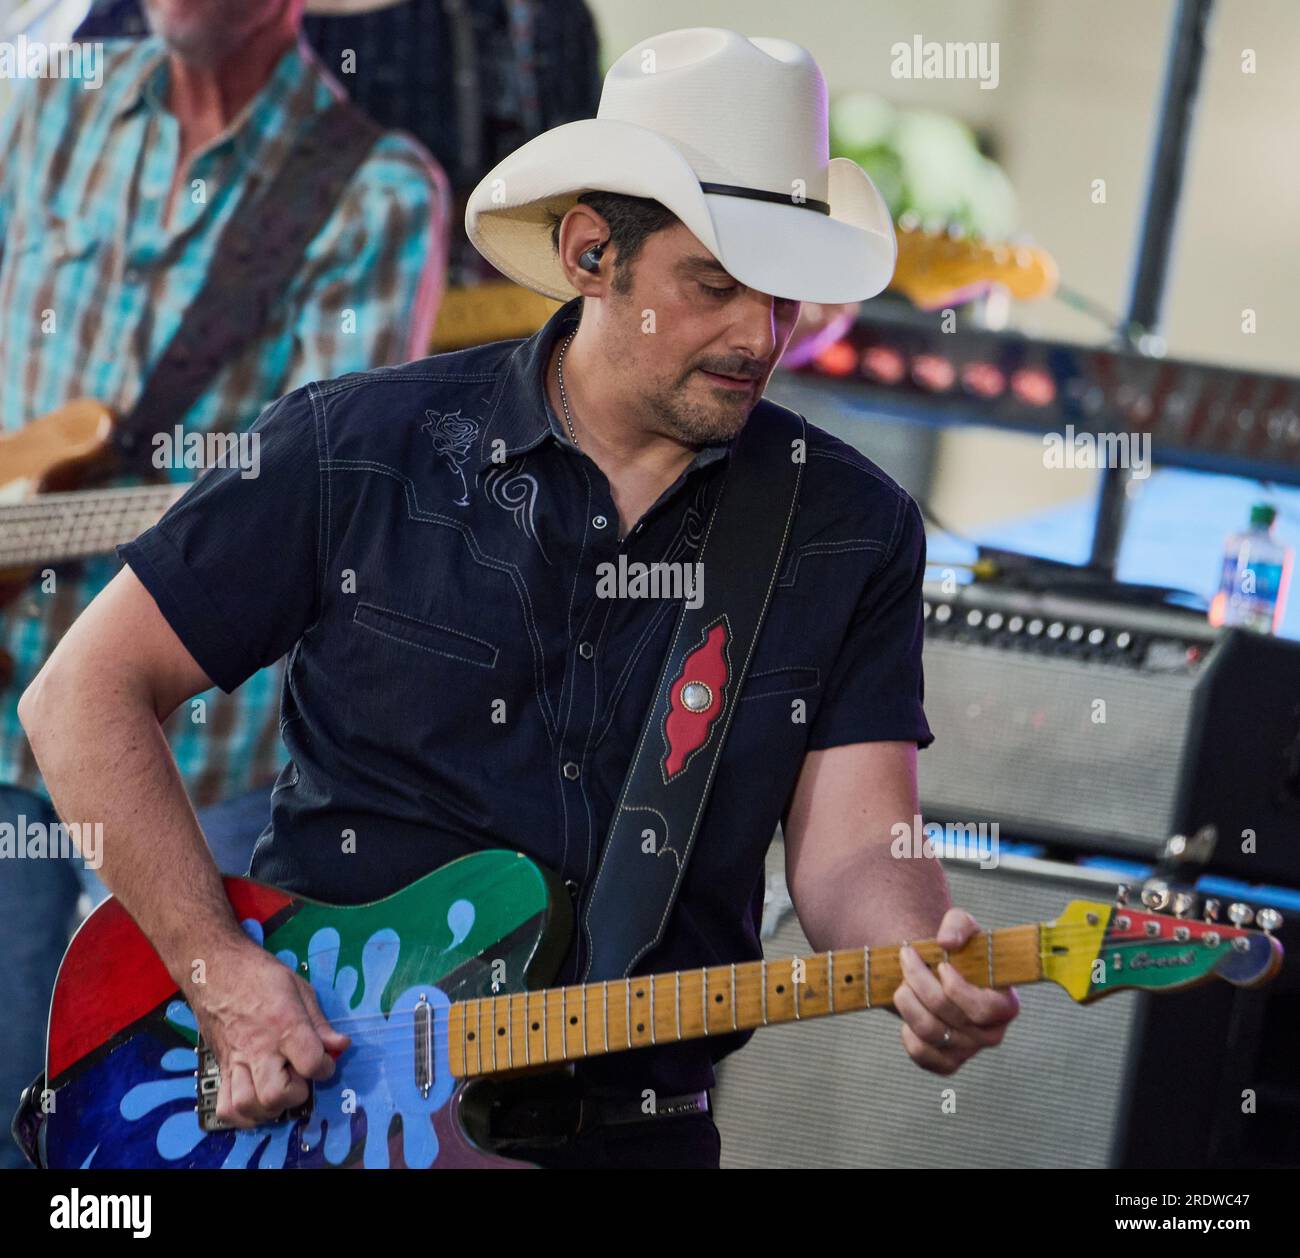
842, 1092
1015, 743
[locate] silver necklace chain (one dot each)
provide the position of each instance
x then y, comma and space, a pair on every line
559, 375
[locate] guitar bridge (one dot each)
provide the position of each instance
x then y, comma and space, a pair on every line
208, 1079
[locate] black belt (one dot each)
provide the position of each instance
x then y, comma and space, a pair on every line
556, 1119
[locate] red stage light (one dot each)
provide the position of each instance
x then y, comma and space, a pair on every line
933, 372
983, 379
883, 364
1033, 386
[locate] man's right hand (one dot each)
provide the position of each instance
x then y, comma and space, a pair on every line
262, 1021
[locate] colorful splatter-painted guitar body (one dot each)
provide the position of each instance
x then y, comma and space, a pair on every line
443, 986
122, 1057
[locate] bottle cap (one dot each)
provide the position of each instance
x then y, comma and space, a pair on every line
1263, 513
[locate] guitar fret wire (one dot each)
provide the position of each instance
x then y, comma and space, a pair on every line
564, 1023
528, 1047
627, 995
465, 1013
546, 1052
583, 989
652, 1009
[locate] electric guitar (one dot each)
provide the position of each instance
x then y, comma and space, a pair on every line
44, 519
443, 985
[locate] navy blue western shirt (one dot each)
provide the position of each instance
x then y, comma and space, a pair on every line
423, 542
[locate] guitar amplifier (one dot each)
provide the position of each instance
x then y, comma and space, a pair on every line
1130, 1080
1111, 727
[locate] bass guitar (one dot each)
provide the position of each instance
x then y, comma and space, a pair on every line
44, 519
444, 985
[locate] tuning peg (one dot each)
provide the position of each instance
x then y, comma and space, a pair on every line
1121, 896
1184, 902
1155, 897
1240, 914
1211, 910
1269, 920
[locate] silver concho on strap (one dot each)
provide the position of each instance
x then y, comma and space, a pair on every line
696, 696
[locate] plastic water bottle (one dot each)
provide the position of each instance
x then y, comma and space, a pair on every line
1256, 573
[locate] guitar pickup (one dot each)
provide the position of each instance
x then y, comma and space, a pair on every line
208, 1079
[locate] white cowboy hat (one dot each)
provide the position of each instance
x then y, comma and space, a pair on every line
729, 133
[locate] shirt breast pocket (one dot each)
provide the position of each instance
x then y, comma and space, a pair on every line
423, 635
779, 681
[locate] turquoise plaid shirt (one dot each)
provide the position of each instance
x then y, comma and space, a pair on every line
93, 284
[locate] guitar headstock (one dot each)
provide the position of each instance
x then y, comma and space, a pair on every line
938, 268
1094, 949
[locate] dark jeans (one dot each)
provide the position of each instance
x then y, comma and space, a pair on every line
38, 912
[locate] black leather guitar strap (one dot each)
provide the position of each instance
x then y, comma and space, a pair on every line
667, 784
255, 260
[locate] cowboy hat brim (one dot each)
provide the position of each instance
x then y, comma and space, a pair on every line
785, 250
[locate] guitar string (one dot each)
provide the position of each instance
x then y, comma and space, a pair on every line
746, 983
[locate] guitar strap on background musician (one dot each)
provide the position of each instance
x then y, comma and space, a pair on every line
255, 261
667, 784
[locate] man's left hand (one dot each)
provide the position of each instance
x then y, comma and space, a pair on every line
947, 1020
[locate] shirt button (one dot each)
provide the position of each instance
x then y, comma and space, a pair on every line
598, 522
586, 650
570, 770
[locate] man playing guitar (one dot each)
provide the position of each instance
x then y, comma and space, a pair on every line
428, 545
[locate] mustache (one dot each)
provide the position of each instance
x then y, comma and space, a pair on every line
744, 369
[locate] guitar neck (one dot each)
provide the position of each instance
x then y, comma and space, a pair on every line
500, 1033
52, 528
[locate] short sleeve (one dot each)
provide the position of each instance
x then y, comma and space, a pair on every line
876, 689
233, 565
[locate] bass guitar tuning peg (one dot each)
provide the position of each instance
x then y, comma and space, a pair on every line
1121, 896
1269, 920
1211, 910
1184, 902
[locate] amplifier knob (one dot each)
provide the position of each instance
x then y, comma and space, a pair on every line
1075, 633
1096, 636
974, 617
1035, 627
926, 609
1016, 624
995, 620
1055, 629
1123, 639
943, 613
